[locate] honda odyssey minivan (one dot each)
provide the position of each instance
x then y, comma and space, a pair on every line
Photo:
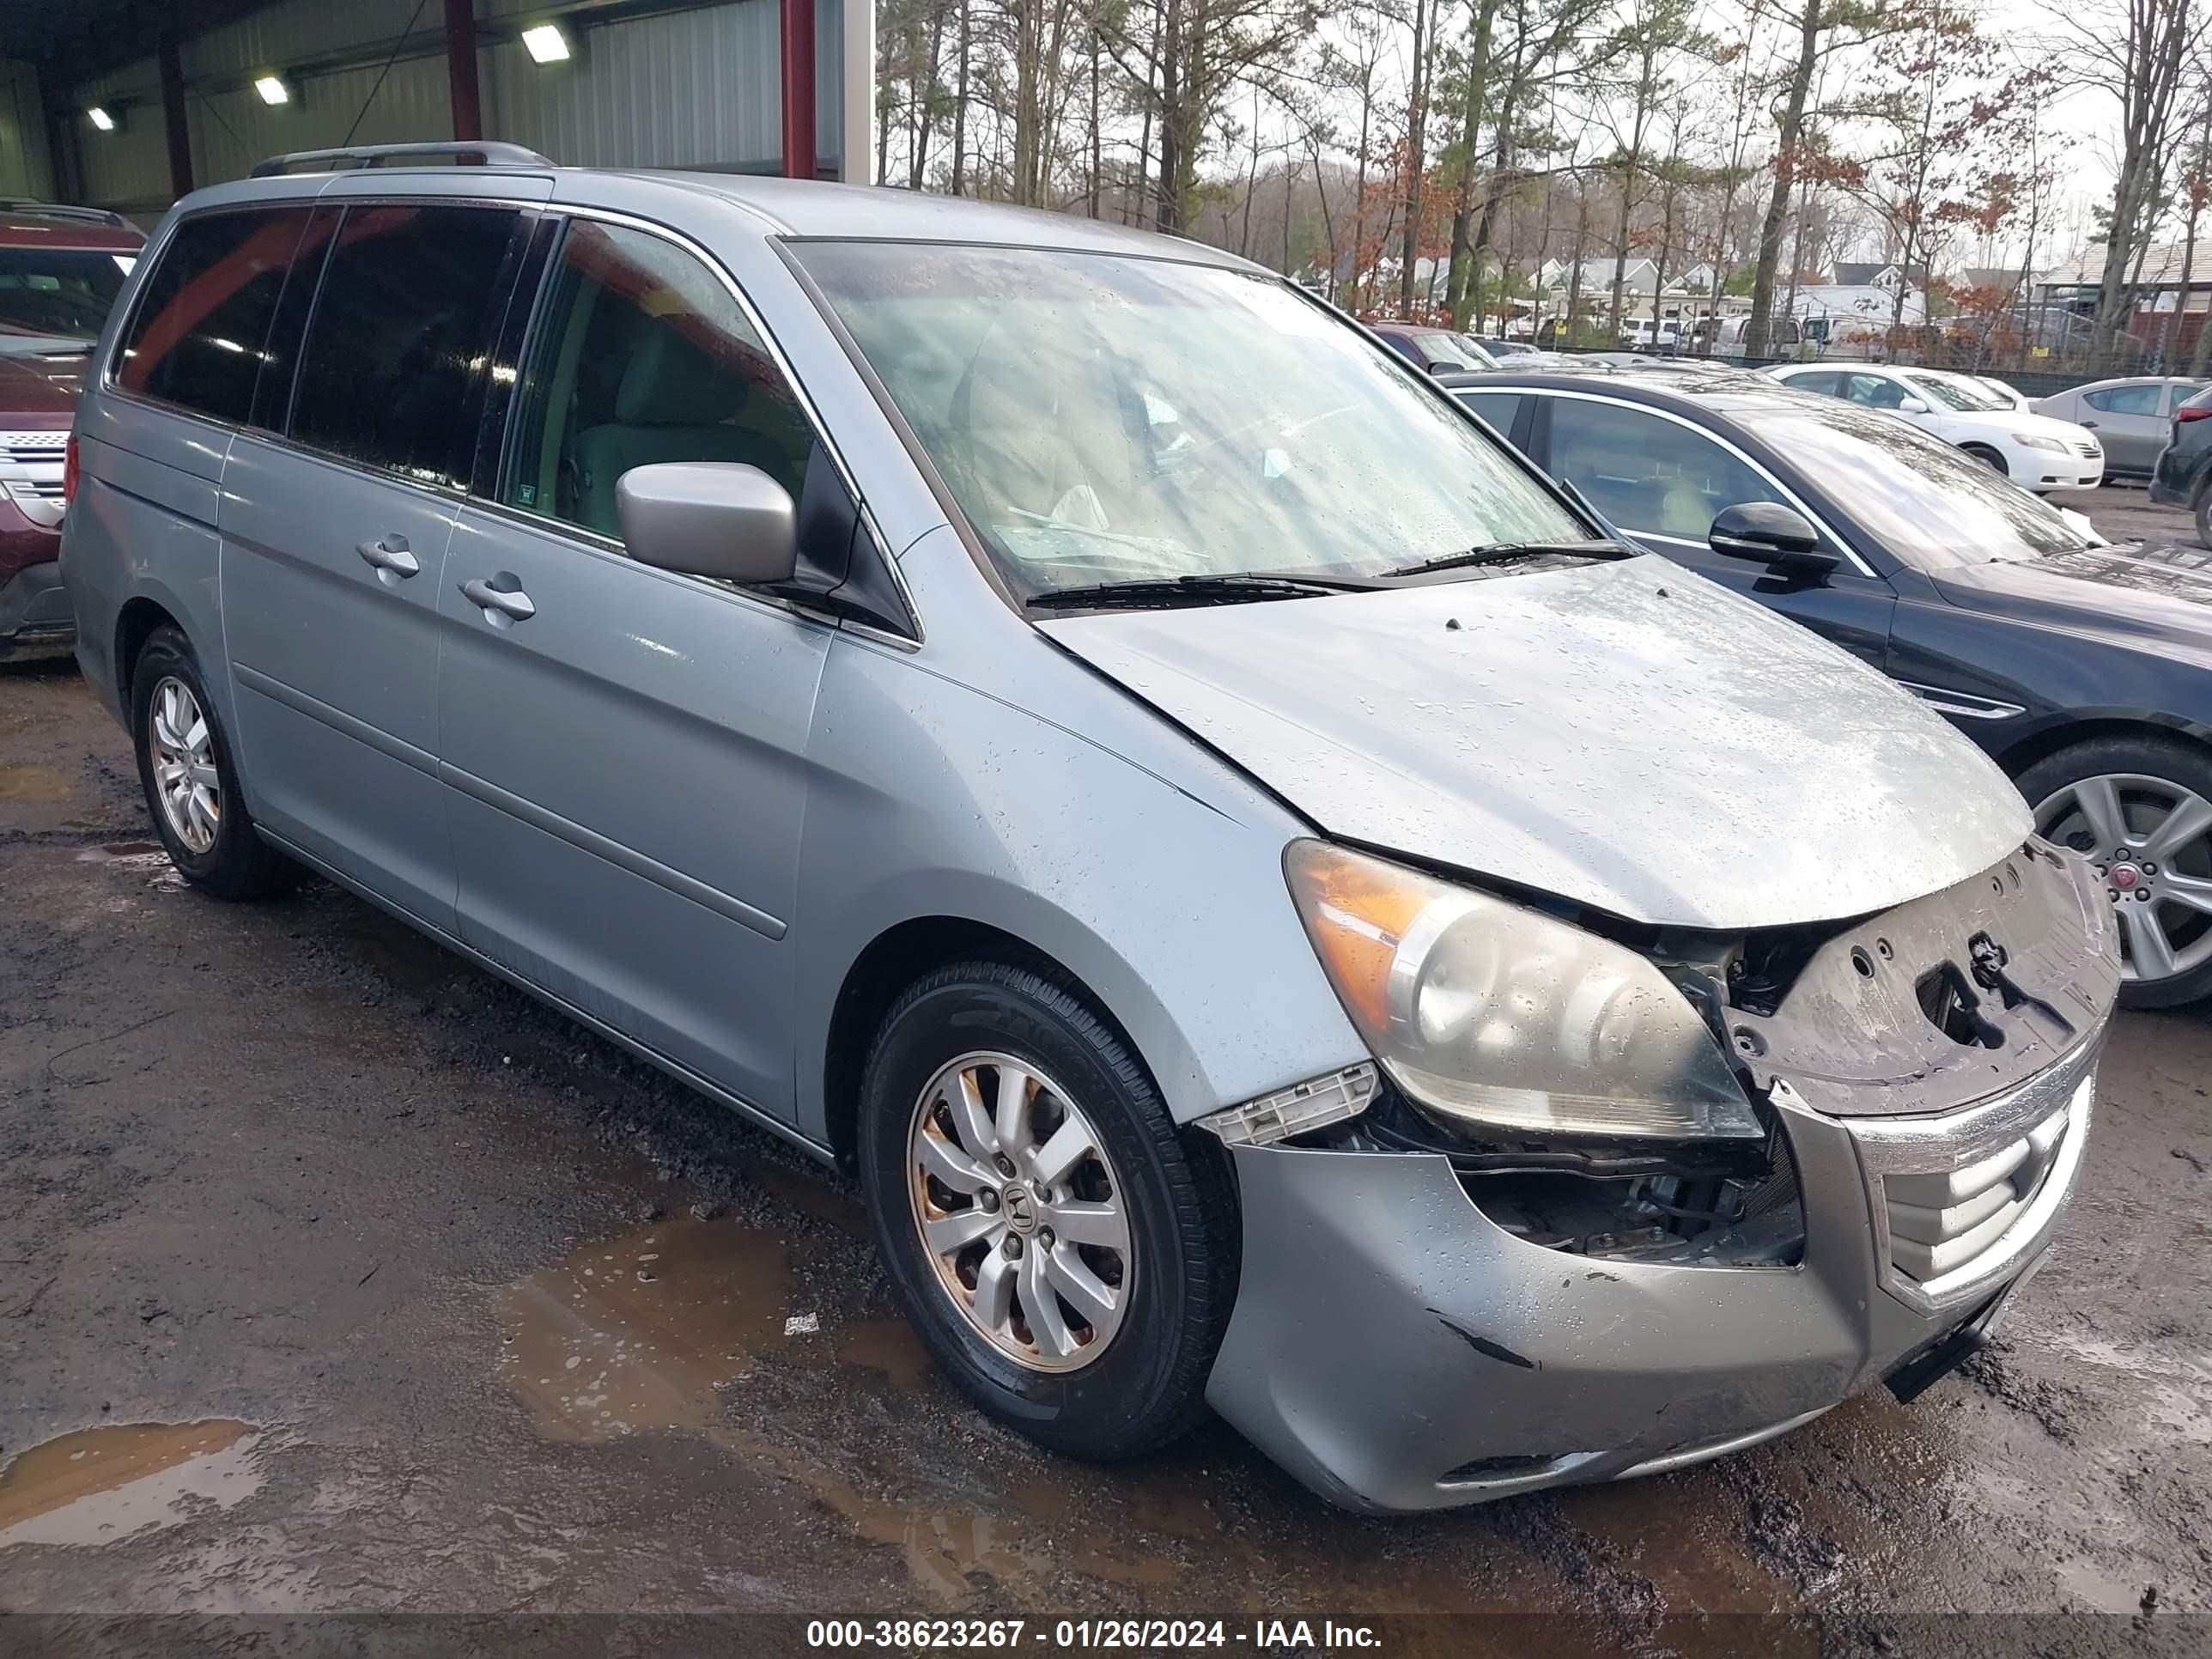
1279, 912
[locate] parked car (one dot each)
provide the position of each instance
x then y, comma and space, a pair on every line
1280, 911
2083, 669
60, 269
1724, 336
1440, 350
1500, 349
2178, 478
2130, 416
2035, 451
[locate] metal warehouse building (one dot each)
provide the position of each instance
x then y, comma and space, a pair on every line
128, 104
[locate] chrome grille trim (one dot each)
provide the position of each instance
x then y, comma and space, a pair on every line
1961, 1201
31, 473
2091, 449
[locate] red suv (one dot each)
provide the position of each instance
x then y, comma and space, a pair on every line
60, 271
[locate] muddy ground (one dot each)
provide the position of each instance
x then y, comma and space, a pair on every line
336, 1277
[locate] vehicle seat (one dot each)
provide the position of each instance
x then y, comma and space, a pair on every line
676, 402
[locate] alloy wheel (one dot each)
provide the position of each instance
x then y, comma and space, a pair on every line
2150, 842
184, 775
1020, 1211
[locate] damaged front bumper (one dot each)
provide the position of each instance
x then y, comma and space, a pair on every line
1398, 1349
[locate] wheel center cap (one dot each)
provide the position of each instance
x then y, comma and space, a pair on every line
1019, 1206
2126, 878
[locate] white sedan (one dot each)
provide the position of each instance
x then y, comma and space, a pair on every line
2035, 451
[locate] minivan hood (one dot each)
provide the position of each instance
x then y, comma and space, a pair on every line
1625, 735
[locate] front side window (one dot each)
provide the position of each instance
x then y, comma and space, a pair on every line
1649, 474
2124, 399
197, 337
1032, 378
1500, 409
59, 292
642, 356
1875, 391
391, 374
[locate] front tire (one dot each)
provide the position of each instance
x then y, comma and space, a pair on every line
1067, 1257
1989, 458
191, 782
2140, 809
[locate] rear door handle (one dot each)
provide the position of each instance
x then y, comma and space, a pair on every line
391, 553
513, 604
2092, 425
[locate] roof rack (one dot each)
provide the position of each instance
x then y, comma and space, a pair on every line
25, 204
487, 154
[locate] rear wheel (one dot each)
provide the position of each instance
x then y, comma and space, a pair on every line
1067, 1259
191, 782
2140, 809
1989, 458
2202, 512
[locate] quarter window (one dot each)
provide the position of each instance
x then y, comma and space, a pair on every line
197, 338
642, 356
1647, 474
392, 372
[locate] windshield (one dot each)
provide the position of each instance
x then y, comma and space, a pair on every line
1101, 418
1956, 394
1932, 504
59, 292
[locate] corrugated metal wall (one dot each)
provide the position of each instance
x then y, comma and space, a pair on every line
694, 88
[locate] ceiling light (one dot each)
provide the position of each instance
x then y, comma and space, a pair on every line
545, 44
100, 119
272, 90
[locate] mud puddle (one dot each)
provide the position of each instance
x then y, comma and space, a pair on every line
23, 783
640, 1333
102, 1484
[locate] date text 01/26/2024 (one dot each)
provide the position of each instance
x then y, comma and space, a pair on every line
1143, 1634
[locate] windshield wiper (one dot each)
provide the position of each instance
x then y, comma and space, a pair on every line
1164, 593
1513, 552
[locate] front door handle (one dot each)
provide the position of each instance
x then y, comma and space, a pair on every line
391, 553
511, 605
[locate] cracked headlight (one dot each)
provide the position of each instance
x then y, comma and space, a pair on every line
1495, 1016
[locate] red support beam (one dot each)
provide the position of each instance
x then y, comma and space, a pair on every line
797, 88
172, 115
461, 69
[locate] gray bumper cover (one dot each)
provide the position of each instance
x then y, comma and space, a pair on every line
1387, 1335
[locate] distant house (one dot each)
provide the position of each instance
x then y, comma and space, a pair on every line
2072, 287
1885, 277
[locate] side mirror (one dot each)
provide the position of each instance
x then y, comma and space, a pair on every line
1446, 365
1775, 535
1913, 406
720, 519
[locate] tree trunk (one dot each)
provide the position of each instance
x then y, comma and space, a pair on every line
2171, 352
1759, 326
960, 113
1417, 121
1168, 215
1470, 134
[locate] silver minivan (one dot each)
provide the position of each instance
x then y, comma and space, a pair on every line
1277, 911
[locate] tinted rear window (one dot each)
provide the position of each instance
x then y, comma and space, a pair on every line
392, 372
197, 337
